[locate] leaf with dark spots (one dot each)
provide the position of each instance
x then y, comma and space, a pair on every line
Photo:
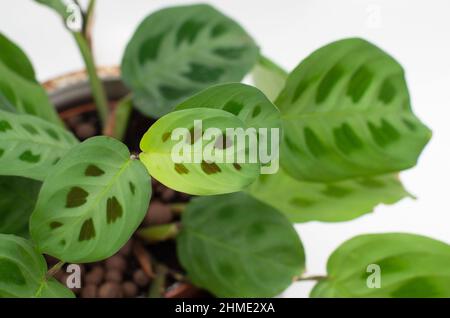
28, 156
360, 83
76, 197
231, 53
87, 231
210, 168
150, 48
336, 191
4, 126
233, 107
179, 51
237, 166
387, 92
203, 73
346, 139
313, 142
55, 225
113, 210
180, 168
171, 92
52, 133
188, 31
301, 202
166, 136
329, 81
31, 129
93, 171
256, 111
132, 187
2, 151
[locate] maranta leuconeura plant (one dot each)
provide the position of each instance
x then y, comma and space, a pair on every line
347, 129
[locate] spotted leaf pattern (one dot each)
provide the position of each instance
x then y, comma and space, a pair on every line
403, 265
346, 113
30, 146
246, 102
194, 174
91, 202
177, 52
303, 201
23, 271
18, 85
257, 256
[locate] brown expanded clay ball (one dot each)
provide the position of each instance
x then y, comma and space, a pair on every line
95, 276
167, 195
130, 289
85, 130
140, 278
89, 291
158, 213
110, 290
114, 275
117, 262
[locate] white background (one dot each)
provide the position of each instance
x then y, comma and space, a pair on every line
415, 32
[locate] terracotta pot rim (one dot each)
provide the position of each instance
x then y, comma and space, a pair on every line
76, 77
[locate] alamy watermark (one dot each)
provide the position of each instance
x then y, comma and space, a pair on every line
235, 146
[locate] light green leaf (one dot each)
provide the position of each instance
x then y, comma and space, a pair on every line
246, 102
23, 271
18, 85
346, 113
236, 246
303, 201
195, 174
91, 202
177, 52
269, 77
30, 146
17, 200
408, 266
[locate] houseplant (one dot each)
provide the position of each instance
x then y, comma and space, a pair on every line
347, 130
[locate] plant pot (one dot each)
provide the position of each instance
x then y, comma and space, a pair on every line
138, 269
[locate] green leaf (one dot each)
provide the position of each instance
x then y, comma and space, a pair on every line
17, 200
91, 202
196, 175
30, 146
236, 246
177, 52
346, 113
15, 59
269, 77
23, 271
246, 102
18, 85
303, 201
409, 266
60, 6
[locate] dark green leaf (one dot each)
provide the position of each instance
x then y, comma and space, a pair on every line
30, 146
91, 202
23, 271
17, 200
346, 113
177, 52
236, 246
18, 86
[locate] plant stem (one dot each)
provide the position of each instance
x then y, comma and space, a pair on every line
52, 271
310, 278
117, 122
87, 23
158, 284
159, 233
98, 91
